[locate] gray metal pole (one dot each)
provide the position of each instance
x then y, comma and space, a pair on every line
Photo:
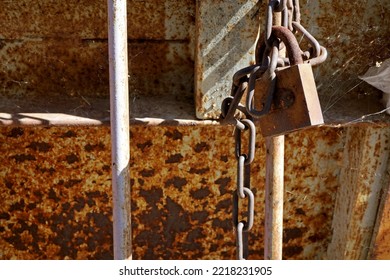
120, 138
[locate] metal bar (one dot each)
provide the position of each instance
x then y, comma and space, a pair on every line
120, 138
274, 190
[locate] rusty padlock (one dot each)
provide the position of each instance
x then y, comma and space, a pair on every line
295, 103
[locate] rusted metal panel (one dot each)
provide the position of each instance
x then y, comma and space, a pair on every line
363, 176
39, 71
312, 162
160, 68
47, 67
55, 57
185, 190
355, 35
51, 48
182, 180
380, 245
55, 183
225, 37
56, 193
161, 19
156, 20
47, 18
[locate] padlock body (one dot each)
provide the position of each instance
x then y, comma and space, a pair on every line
295, 104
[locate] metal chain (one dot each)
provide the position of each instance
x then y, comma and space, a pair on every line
270, 74
291, 18
234, 113
243, 185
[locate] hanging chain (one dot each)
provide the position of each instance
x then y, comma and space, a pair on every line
267, 60
243, 185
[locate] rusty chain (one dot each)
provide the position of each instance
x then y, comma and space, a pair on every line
243, 185
233, 112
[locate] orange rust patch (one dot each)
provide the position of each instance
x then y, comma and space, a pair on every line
57, 204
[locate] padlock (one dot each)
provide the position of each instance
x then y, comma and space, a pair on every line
295, 103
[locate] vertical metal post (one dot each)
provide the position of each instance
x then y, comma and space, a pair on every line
274, 191
120, 138
274, 198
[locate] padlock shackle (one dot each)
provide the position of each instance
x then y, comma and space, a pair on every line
291, 43
289, 40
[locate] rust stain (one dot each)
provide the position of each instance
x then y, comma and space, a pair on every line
182, 184
381, 242
160, 68
59, 68
362, 176
55, 182
60, 53
43, 18
311, 181
85, 19
204, 189
56, 190
160, 19
353, 47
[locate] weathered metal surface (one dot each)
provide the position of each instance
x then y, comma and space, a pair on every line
161, 19
354, 33
185, 190
71, 77
80, 68
46, 18
55, 69
356, 37
56, 193
225, 38
312, 162
54, 58
297, 105
380, 245
55, 182
363, 176
160, 68
56, 188
60, 51
156, 20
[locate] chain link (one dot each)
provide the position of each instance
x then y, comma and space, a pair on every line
270, 73
243, 184
267, 61
291, 18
